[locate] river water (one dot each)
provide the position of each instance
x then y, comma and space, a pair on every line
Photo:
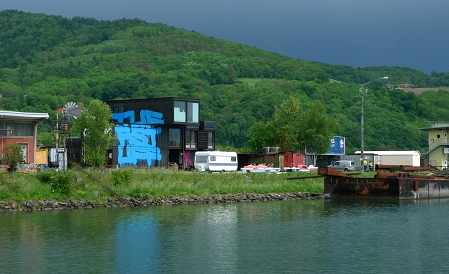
303, 236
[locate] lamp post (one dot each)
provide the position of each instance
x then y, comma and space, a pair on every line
364, 91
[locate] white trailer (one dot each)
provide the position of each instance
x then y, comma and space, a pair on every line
395, 158
215, 161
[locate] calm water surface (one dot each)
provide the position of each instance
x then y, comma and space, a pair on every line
319, 236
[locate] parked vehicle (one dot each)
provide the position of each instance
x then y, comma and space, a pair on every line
343, 165
215, 161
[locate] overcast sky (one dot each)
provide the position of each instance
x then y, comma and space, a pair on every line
358, 33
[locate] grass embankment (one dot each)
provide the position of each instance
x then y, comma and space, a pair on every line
147, 183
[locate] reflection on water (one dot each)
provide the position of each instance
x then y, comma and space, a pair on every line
326, 236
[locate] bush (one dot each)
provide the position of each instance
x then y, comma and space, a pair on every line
44, 176
121, 176
60, 181
13, 154
141, 192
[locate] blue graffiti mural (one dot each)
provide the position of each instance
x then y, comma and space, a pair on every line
136, 141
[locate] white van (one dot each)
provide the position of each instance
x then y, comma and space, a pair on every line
343, 165
215, 161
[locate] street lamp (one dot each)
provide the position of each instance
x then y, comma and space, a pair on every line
364, 91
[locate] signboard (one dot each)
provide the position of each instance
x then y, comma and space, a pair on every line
337, 146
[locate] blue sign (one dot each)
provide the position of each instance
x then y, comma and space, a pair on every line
337, 146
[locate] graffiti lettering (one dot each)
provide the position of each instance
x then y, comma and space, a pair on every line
136, 141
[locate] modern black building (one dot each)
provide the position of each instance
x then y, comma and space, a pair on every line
159, 132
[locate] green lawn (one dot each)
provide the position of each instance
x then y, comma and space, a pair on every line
250, 81
147, 183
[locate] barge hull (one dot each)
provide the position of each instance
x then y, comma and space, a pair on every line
400, 186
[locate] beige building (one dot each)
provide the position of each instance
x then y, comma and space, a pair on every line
438, 144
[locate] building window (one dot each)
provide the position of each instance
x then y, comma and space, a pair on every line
191, 139
179, 111
174, 137
210, 140
192, 112
119, 107
17, 129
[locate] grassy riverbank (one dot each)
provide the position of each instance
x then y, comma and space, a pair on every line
103, 184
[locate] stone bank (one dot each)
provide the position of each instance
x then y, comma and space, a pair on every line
50, 204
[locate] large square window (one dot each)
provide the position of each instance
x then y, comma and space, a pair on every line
179, 111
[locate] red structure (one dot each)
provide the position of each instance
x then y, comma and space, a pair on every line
293, 159
21, 128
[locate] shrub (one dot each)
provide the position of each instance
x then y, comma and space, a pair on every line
44, 176
121, 176
13, 154
60, 181
141, 192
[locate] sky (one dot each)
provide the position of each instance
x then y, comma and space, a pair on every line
357, 33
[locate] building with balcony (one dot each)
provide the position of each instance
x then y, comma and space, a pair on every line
438, 144
159, 132
21, 128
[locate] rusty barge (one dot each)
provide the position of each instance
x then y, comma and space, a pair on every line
400, 185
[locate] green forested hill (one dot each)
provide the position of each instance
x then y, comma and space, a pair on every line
47, 61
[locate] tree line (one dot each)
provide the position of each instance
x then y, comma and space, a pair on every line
47, 61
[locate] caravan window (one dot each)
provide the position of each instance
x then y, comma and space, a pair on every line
233, 159
213, 158
201, 159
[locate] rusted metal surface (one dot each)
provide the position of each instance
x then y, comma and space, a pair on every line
327, 171
395, 168
419, 168
405, 175
397, 185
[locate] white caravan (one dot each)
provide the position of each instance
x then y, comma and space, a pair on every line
215, 161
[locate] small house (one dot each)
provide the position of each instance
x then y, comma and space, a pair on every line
159, 132
20, 128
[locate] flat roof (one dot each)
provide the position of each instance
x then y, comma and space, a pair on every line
391, 152
435, 128
437, 125
28, 116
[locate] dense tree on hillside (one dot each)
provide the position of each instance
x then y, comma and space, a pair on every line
47, 61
